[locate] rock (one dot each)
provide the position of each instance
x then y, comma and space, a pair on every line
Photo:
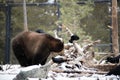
33, 72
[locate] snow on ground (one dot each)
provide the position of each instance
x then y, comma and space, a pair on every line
10, 71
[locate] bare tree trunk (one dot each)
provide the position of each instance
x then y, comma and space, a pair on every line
115, 42
25, 16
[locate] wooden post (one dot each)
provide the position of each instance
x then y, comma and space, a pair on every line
115, 42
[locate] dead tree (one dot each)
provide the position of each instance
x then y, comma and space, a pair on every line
115, 42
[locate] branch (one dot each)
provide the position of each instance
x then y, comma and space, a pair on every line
103, 58
69, 31
90, 45
78, 48
56, 36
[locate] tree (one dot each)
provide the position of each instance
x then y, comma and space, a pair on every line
115, 42
2, 33
72, 14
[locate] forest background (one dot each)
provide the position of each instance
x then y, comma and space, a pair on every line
89, 21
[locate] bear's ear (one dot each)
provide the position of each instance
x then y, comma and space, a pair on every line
73, 37
39, 31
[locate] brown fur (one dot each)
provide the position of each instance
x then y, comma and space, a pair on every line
32, 48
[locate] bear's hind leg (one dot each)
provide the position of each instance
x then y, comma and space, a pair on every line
20, 54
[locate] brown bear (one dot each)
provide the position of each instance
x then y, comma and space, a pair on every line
31, 48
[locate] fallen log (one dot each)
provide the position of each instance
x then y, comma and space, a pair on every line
105, 67
82, 53
79, 71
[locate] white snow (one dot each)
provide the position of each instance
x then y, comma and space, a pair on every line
9, 74
10, 71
